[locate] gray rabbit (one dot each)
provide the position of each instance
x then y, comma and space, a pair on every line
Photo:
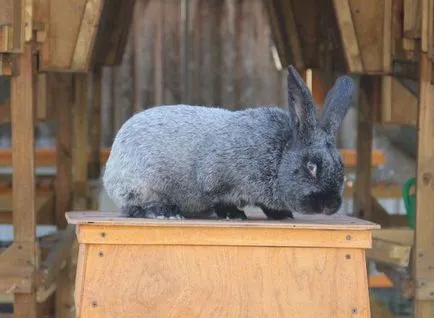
192, 161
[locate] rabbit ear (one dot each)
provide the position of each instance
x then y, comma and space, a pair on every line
337, 103
301, 104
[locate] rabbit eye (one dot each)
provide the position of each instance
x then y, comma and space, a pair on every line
312, 168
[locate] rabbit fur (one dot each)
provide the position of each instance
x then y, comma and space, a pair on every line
179, 161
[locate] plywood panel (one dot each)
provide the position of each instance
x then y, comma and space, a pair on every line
194, 281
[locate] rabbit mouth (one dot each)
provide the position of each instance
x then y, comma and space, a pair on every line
327, 203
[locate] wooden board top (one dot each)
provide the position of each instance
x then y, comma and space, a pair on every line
321, 222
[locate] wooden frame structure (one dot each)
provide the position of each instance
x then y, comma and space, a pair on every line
382, 42
48, 48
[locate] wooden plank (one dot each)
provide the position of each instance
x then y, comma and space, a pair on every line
213, 236
41, 96
349, 38
86, 35
426, 26
95, 130
387, 36
293, 34
8, 65
367, 98
16, 270
24, 212
315, 221
272, 10
56, 259
81, 271
424, 229
46, 157
44, 206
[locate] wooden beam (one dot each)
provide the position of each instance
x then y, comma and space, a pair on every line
24, 212
348, 35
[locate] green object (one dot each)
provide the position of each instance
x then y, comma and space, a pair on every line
409, 201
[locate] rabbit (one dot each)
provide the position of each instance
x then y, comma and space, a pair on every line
183, 161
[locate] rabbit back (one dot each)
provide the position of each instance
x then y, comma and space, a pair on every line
194, 156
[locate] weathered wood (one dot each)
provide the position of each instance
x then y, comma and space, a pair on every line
24, 212
277, 33
62, 156
412, 12
94, 168
65, 100
44, 207
8, 65
398, 104
56, 259
113, 30
400, 278
86, 35
80, 142
392, 246
352, 50
293, 34
78, 32
64, 25
424, 229
12, 19
17, 270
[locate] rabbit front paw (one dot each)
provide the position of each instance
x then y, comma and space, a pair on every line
230, 212
153, 210
276, 214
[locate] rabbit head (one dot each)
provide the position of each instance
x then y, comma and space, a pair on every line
311, 174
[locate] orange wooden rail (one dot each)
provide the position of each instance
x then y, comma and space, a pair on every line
45, 157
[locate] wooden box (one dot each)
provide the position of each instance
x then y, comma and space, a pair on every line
313, 266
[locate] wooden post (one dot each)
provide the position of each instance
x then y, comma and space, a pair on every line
80, 148
64, 99
95, 130
423, 260
23, 191
362, 194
